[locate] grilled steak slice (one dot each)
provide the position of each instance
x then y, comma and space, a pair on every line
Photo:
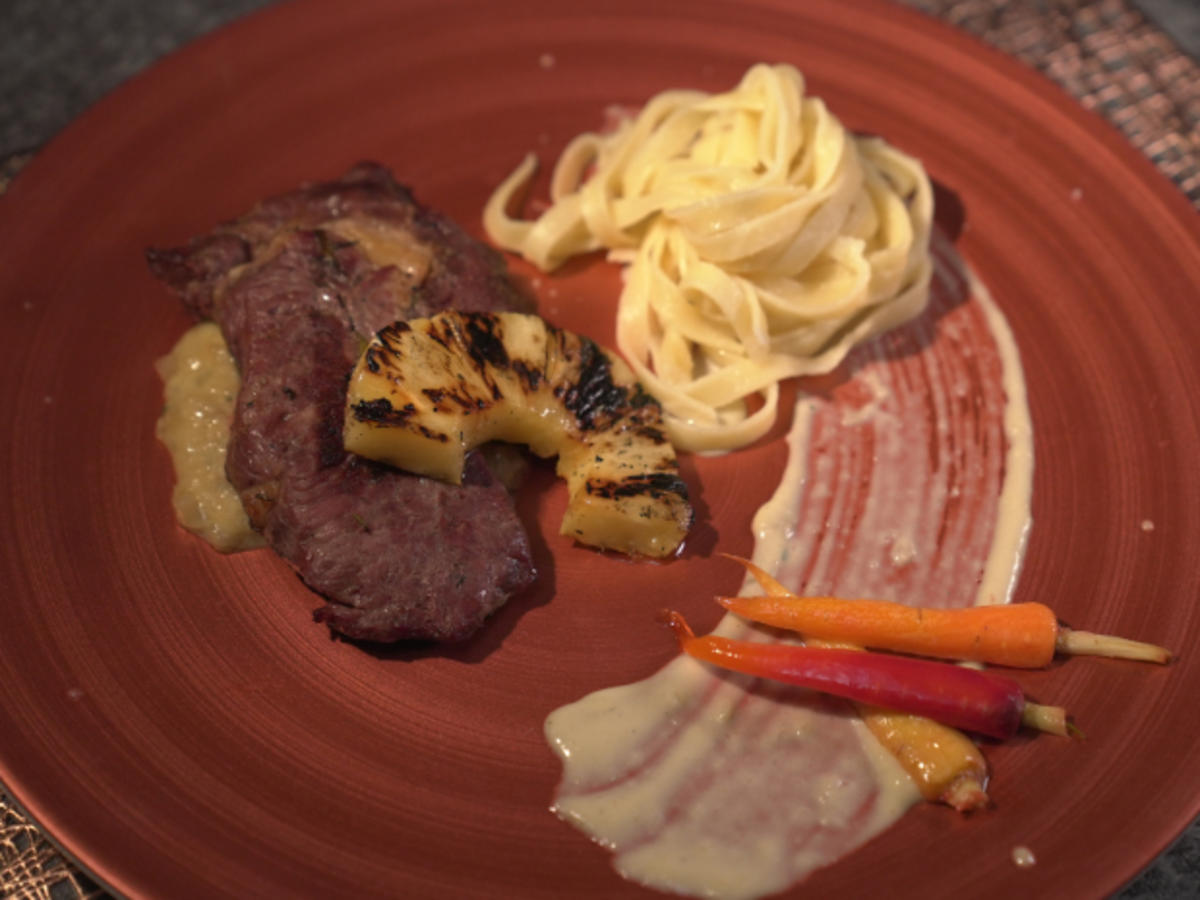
296, 285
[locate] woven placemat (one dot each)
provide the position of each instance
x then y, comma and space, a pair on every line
31, 868
1111, 58
1106, 54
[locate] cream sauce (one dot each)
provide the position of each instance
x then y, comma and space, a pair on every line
908, 479
1023, 857
200, 386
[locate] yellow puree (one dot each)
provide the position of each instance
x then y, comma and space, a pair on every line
200, 385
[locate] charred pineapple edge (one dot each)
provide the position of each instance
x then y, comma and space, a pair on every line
427, 391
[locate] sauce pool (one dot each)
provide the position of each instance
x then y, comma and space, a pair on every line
200, 386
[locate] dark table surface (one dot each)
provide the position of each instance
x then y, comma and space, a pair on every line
57, 57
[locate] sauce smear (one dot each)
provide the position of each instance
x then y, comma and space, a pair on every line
908, 478
200, 386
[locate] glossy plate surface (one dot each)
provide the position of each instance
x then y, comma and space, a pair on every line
179, 723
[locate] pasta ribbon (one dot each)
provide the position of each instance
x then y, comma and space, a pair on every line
762, 241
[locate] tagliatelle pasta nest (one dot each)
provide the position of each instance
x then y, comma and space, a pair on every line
762, 241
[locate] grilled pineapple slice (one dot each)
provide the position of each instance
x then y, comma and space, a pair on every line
426, 391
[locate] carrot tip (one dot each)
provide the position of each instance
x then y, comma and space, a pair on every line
677, 623
769, 585
965, 795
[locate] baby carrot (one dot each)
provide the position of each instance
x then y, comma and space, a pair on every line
981, 702
945, 765
1022, 635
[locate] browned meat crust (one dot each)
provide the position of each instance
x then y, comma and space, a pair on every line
397, 556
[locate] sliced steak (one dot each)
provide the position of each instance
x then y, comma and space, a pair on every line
296, 286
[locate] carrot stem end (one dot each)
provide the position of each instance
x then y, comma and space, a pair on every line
1051, 719
1086, 643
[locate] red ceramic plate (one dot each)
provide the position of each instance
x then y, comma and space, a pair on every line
178, 722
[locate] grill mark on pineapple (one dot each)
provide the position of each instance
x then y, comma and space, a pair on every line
484, 344
594, 398
389, 353
440, 437
381, 412
376, 358
655, 485
651, 434
529, 376
476, 336
463, 400
639, 399
444, 335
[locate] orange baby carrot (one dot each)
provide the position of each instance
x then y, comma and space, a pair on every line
1022, 635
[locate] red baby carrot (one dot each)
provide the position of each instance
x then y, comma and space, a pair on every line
1022, 635
981, 702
